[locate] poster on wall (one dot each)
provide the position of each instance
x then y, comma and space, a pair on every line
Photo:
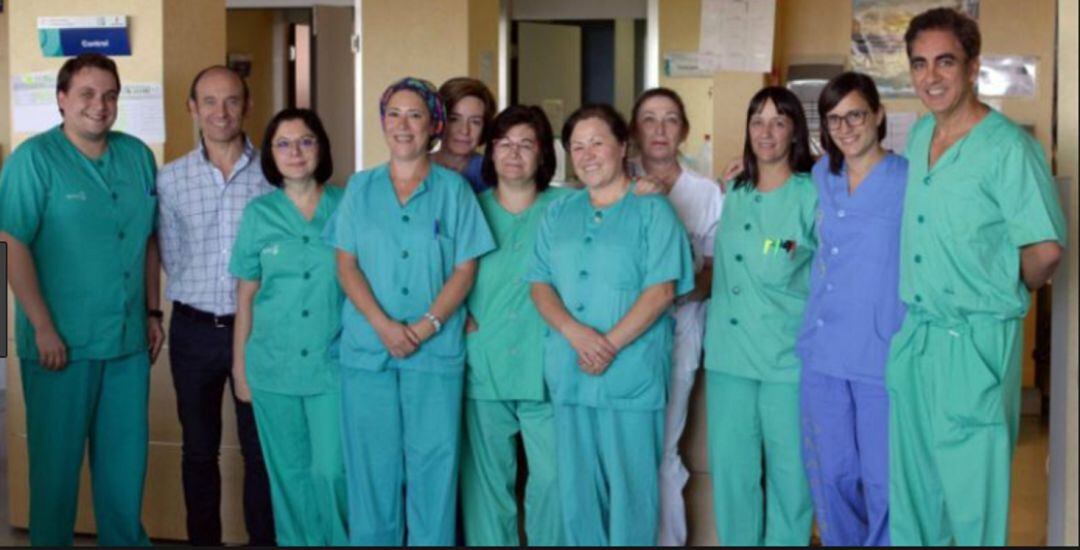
737, 35
877, 38
140, 108
71, 36
1007, 76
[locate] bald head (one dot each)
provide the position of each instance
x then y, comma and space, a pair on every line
219, 71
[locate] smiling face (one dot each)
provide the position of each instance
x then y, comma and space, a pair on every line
406, 125
219, 106
464, 126
659, 128
854, 139
516, 155
296, 150
943, 77
771, 134
596, 153
89, 104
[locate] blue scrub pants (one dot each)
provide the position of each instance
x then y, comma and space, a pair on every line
608, 466
101, 400
845, 426
402, 430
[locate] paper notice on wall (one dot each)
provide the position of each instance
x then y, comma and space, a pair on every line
140, 110
739, 33
897, 128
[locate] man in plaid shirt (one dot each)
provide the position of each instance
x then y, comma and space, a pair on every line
201, 198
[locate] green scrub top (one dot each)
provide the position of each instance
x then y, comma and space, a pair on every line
407, 253
86, 223
600, 260
293, 346
964, 220
761, 280
505, 355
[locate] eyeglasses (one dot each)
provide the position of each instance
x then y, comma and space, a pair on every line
306, 143
854, 119
505, 146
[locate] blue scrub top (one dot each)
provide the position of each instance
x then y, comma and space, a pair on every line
474, 173
407, 253
599, 261
854, 306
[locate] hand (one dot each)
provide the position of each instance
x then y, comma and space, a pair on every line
733, 168
397, 338
470, 325
155, 337
239, 383
595, 352
648, 186
52, 353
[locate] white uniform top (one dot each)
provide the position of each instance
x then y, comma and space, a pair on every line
698, 201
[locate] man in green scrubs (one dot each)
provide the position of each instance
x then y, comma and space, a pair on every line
77, 209
982, 227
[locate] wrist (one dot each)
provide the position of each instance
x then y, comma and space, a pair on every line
434, 322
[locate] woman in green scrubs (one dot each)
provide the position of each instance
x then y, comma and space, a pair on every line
607, 266
288, 320
407, 235
760, 286
504, 380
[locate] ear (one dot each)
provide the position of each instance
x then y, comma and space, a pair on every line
192, 107
879, 116
973, 66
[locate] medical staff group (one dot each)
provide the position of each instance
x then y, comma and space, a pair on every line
390, 345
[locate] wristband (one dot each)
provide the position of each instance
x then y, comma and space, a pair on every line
434, 321
155, 313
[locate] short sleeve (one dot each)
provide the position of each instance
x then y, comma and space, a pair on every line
715, 206
539, 269
244, 263
339, 232
1025, 191
23, 193
667, 256
472, 237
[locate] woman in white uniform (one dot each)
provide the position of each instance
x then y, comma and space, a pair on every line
658, 126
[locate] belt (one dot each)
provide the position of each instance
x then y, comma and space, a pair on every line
200, 316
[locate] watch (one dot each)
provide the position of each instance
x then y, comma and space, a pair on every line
155, 313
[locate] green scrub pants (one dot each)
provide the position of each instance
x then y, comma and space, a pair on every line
746, 416
301, 442
608, 467
955, 396
489, 471
402, 430
105, 401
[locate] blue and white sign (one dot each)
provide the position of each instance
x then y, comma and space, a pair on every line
70, 36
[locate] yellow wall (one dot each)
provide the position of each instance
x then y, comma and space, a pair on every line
5, 91
1067, 165
484, 43
188, 22
251, 32
422, 38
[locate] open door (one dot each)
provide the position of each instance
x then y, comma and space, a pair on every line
549, 69
334, 84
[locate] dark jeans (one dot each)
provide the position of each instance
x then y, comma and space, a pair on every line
201, 358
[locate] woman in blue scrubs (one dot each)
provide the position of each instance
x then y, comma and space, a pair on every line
407, 235
852, 313
607, 266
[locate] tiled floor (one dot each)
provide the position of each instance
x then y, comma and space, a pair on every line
1028, 516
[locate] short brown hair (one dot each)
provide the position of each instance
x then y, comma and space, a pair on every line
964, 28
454, 90
85, 61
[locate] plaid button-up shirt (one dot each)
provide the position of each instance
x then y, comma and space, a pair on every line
199, 214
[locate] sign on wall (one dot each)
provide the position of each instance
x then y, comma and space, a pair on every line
71, 36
